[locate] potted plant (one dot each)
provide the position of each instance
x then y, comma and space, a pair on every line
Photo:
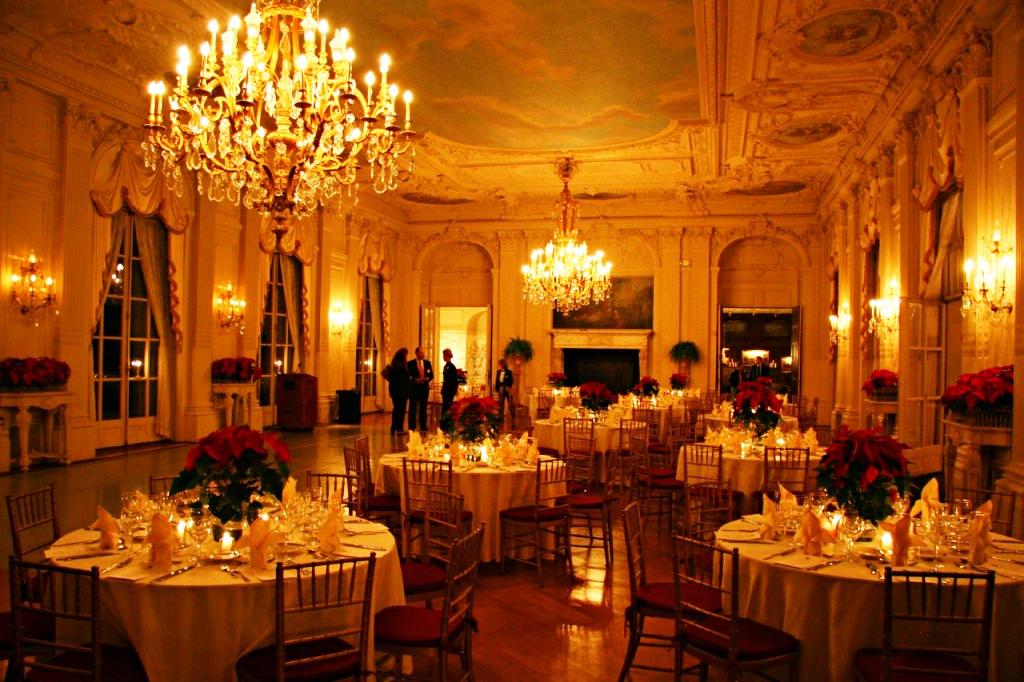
865, 471
757, 406
883, 385
558, 380
519, 351
235, 370
33, 374
984, 398
647, 387
684, 353
595, 396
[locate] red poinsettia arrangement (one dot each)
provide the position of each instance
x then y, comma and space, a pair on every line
756, 404
233, 466
647, 387
240, 370
472, 419
33, 372
865, 471
992, 387
463, 377
558, 380
880, 378
595, 396
678, 381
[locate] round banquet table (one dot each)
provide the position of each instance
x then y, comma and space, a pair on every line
745, 474
837, 610
486, 489
194, 626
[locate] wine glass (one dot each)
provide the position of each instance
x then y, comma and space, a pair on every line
936, 530
202, 524
852, 527
817, 501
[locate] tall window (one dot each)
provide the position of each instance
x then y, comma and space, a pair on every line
126, 344
278, 337
367, 352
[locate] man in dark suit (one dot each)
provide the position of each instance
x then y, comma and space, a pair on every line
503, 387
761, 369
449, 381
422, 374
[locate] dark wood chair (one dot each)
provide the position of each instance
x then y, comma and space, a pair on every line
590, 510
425, 573
35, 523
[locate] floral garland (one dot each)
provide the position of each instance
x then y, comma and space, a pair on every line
678, 381
647, 387
865, 472
757, 404
233, 466
558, 380
241, 370
472, 419
595, 396
33, 372
992, 387
880, 379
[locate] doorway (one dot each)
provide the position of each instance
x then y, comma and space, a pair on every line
467, 332
771, 334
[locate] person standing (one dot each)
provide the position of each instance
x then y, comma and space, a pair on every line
449, 381
761, 369
422, 374
399, 387
503, 381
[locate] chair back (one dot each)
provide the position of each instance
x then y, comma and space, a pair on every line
552, 483
357, 470
626, 428
545, 400
362, 444
160, 484
824, 433
433, 416
707, 506
633, 529
1004, 504
583, 428
399, 441
328, 483
442, 522
34, 520
460, 586
651, 417
521, 421
807, 413
788, 466
702, 463
579, 458
915, 601
641, 457
692, 409
343, 587
705, 565
71, 597
419, 476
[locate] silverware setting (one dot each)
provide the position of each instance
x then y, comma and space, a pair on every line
1009, 561
818, 567
175, 572
119, 564
234, 572
374, 548
76, 557
785, 552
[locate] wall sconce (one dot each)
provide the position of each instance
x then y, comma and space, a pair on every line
988, 295
230, 310
885, 315
840, 324
32, 290
340, 321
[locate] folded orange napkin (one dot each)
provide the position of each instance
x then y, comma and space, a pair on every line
337, 498
288, 492
979, 534
810, 534
929, 498
108, 527
902, 539
769, 519
329, 531
507, 453
415, 445
785, 497
259, 540
161, 543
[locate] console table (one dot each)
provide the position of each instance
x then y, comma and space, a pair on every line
17, 406
237, 402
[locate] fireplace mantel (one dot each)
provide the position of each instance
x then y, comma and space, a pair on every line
618, 339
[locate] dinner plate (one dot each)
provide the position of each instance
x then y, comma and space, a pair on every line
230, 555
870, 552
287, 549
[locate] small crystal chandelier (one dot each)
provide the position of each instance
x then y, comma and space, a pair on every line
230, 310
563, 274
274, 118
32, 291
885, 315
989, 296
840, 325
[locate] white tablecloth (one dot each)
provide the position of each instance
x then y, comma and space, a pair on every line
487, 490
563, 399
745, 474
786, 424
196, 625
838, 610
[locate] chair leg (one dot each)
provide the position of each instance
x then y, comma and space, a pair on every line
634, 622
538, 553
501, 546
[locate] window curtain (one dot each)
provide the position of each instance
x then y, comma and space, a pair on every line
151, 237
375, 290
950, 234
291, 278
119, 224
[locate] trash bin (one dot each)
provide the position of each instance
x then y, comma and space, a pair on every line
296, 400
348, 407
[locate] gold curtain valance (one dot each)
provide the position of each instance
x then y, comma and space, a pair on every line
123, 179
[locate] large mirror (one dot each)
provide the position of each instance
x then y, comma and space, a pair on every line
760, 342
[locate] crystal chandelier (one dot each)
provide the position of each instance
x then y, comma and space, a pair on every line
840, 325
273, 117
885, 315
32, 291
563, 274
989, 296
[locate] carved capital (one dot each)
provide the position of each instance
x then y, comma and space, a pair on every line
975, 57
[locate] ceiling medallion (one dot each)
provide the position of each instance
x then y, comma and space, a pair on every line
272, 116
563, 274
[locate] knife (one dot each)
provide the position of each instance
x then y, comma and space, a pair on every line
373, 548
119, 564
1010, 561
785, 552
824, 565
76, 557
178, 571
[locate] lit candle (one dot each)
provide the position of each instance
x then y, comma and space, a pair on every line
483, 454
886, 542
226, 542
181, 530
408, 102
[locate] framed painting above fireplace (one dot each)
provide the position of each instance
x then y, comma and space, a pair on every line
629, 305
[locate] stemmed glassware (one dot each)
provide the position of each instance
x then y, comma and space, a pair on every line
936, 529
852, 528
202, 524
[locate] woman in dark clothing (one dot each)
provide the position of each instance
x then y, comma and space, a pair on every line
399, 386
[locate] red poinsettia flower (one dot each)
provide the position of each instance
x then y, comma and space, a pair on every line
239, 370
595, 396
865, 471
992, 387
678, 381
34, 372
558, 379
880, 378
